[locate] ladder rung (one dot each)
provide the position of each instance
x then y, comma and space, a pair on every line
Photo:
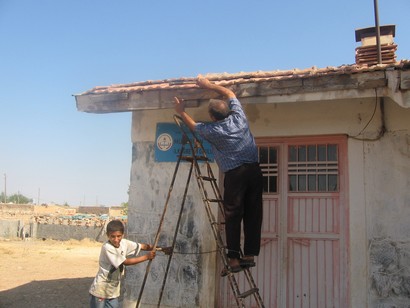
208, 178
200, 157
249, 292
187, 158
217, 223
214, 200
191, 158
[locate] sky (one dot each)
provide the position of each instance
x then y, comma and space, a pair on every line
51, 50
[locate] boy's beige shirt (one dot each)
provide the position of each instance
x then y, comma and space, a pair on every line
106, 283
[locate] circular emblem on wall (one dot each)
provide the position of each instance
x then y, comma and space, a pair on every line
164, 142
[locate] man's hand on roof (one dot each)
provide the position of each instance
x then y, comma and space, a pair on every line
179, 105
203, 82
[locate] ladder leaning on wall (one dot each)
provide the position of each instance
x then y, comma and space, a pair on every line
205, 183
212, 197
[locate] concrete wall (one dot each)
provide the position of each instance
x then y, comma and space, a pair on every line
388, 211
51, 222
10, 229
379, 210
65, 233
191, 278
15, 229
378, 200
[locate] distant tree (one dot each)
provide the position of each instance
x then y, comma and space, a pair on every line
124, 208
16, 198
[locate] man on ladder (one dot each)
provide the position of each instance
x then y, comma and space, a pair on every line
236, 154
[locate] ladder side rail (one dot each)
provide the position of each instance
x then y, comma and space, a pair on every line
218, 196
218, 238
205, 197
195, 146
252, 283
211, 217
194, 151
213, 223
221, 247
171, 187
175, 234
216, 190
232, 281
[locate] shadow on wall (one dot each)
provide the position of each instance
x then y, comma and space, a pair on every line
48, 293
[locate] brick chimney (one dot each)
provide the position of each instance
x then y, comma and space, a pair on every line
367, 53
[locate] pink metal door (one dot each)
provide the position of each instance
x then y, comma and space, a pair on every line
303, 255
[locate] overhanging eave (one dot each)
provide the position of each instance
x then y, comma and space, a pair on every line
393, 83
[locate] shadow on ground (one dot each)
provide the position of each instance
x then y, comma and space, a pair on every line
60, 293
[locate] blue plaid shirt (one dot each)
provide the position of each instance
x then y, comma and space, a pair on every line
231, 139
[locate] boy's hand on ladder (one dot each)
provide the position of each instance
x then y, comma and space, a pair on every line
151, 255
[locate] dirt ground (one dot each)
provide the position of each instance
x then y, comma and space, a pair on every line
48, 273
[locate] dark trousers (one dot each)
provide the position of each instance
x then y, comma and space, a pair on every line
243, 188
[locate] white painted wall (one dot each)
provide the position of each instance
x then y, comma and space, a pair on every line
379, 198
379, 212
191, 279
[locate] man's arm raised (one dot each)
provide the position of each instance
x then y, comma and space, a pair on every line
180, 109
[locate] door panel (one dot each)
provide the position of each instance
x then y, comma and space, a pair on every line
303, 258
313, 272
318, 214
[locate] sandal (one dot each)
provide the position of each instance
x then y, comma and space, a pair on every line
247, 263
229, 270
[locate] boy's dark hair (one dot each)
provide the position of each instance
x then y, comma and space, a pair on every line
114, 226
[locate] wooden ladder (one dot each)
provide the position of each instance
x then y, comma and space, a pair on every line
211, 196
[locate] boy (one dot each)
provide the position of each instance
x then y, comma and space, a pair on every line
115, 253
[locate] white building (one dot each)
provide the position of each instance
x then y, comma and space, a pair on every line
335, 148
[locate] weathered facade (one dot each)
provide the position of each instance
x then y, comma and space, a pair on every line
335, 148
